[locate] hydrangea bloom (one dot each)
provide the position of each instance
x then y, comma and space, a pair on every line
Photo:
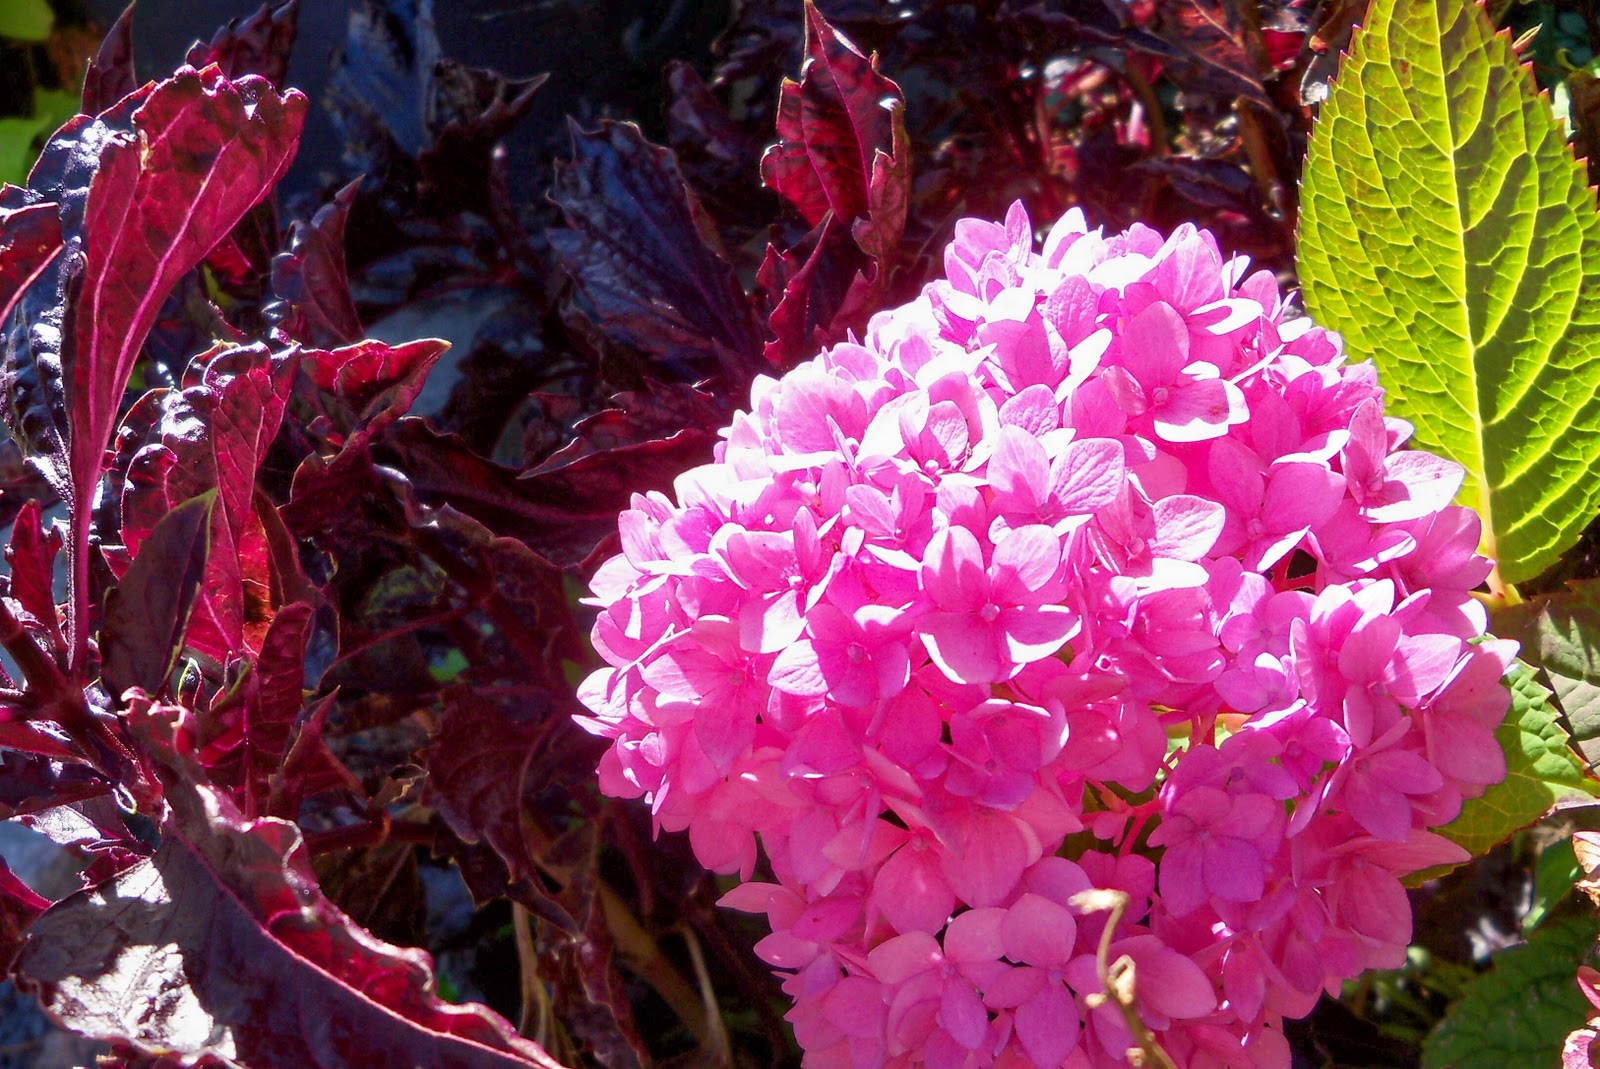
1089, 568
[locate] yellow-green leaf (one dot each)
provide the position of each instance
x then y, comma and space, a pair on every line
1448, 234
26, 20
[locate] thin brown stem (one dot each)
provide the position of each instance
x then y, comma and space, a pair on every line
1118, 978
534, 1020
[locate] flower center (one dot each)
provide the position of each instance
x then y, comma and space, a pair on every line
855, 653
1159, 395
989, 613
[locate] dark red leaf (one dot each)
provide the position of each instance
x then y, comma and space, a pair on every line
257, 967
842, 141
148, 188
375, 381
472, 110
309, 279
148, 613
308, 765
212, 436
31, 782
110, 76
93, 831
1217, 52
37, 737
32, 555
260, 739
655, 413
563, 513
258, 44
171, 178
19, 907
644, 255
478, 772
818, 295
30, 238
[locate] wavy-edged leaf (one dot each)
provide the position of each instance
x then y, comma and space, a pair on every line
170, 179
213, 435
254, 44
1520, 1011
1541, 770
221, 946
1448, 234
1560, 635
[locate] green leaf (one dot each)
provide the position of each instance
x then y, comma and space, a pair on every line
1560, 633
1520, 1011
1553, 876
20, 137
26, 20
1448, 234
1541, 770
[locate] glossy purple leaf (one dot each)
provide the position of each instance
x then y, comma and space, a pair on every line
92, 830
644, 255
147, 614
374, 382
255, 44
253, 966
309, 279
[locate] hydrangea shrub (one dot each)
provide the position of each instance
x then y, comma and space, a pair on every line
1093, 568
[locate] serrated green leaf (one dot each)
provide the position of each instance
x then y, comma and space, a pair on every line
26, 20
1520, 1011
1448, 234
1541, 770
1560, 634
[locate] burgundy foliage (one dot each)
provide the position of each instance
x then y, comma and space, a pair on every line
294, 610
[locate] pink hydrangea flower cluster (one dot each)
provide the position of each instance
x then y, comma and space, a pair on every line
1089, 568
